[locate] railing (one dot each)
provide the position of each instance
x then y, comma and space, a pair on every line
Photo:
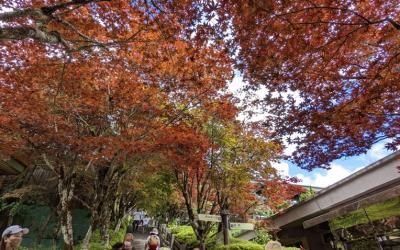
168, 239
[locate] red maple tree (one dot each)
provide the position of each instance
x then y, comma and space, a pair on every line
341, 58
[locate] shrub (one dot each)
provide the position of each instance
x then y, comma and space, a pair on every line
262, 237
185, 235
237, 244
244, 245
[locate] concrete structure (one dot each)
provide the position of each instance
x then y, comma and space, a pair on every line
307, 222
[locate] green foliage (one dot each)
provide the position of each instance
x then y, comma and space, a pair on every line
157, 194
263, 212
364, 244
243, 245
14, 208
37, 248
262, 237
307, 195
185, 235
375, 212
237, 244
95, 241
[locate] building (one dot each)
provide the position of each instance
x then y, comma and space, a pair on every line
363, 208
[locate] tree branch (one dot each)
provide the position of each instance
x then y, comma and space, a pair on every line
44, 11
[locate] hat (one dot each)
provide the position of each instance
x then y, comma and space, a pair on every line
154, 231
14, 229
273, 245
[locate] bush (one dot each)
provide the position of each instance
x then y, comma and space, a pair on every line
262, 237
244, 245
237, 244
185, 235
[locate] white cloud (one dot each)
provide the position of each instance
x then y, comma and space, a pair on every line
378, 151
335, 174
339, 171
282, 167
236, 85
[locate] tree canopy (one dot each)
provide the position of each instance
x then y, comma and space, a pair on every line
100, 92
330, 68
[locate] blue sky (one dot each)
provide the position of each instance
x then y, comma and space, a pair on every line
339, 169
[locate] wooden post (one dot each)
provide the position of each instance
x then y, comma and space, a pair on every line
225, 225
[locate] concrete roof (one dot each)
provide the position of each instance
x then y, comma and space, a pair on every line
378, 175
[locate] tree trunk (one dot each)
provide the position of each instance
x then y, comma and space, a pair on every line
202, 244
118, 225
120, 220
66, 187
105, 224
10, 220
86, 240
105, 236
66, 228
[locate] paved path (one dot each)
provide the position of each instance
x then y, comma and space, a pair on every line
138, 241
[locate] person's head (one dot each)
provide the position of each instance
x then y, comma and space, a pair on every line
128, 237
273, 245
154, 231
154, 242
127, 245
12, 237
118, 246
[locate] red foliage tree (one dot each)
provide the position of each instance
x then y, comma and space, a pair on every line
340, 57
96, 83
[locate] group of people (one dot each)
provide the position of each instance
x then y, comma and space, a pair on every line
11, 239
152, 242
12, 236
140, 218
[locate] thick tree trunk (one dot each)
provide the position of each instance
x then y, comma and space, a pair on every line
66, 228
105, 224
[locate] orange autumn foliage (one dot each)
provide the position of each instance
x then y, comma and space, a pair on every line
331, 70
